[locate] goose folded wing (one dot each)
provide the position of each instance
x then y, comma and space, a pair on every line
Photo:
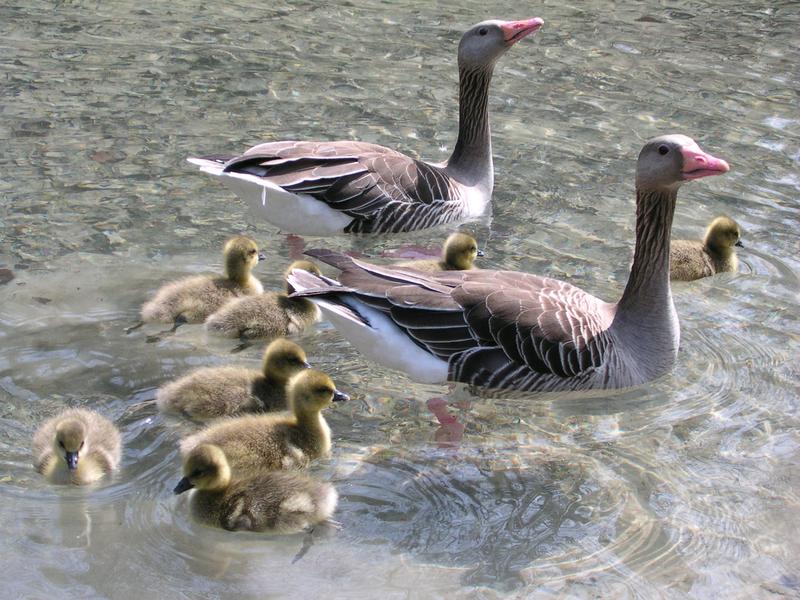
356, 178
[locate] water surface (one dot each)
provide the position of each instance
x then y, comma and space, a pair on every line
687, 487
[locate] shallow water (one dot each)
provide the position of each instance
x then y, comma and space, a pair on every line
687, 487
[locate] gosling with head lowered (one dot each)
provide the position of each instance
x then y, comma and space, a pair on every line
266, 315
77, 446
256, 443
276, 501
211, 392
193, 299
458, 254
695, 259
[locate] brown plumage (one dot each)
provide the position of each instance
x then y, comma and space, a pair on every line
694, 259
278, 501
458, 254
511, 330
212, 392
192, 299
266, 315
254, 443
76, 446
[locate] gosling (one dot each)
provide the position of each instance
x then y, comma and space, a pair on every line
193, 299
277, 501
267, 315
257, 443
694, 259
458, 254
213, 392
77, 446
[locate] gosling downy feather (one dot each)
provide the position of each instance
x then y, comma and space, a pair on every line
277, 501
458, 254
192, 299
694, 259
76, 446
213, 392
255, 443
266, 315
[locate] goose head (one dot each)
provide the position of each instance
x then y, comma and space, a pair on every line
241, 255
667, 161
204, 468
460, 251
487, 41
723, 234
311, 391
70, 441
283, 359
303, 265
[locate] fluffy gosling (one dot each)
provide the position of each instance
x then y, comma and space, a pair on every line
256, 443
267, 315
77, 446
694, 259
277, 501
193, 299
458, 254
212, 392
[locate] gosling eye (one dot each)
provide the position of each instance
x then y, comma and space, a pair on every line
195, 473
662, 149
60, 443
82, 443
483, 31
251, 251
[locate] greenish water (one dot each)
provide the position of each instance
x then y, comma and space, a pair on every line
687, 487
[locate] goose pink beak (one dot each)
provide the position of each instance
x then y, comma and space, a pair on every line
697, 164
514, 31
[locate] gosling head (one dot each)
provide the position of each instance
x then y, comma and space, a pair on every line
204, 468
483, 44
70, 441
303, 265
723, 234
310, 391
241, 255
282, 359
460, 251
667, 161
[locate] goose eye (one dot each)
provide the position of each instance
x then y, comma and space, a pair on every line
483, 31
662, 150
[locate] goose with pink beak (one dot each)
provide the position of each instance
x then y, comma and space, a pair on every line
324, 188
513, 330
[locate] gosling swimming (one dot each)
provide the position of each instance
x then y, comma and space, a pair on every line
255, 443
277, 501
694, 259
212, 392
458, 254
266, 315
77, 446
193, 299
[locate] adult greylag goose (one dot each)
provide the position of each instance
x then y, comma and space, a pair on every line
695, 259
506, 329
322, 188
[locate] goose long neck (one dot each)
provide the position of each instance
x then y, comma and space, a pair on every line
648, 293
471, 161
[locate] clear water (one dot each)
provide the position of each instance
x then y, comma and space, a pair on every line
684, 488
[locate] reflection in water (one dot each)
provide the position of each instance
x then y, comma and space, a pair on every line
683, 488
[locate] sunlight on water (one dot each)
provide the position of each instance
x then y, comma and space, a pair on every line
687, 487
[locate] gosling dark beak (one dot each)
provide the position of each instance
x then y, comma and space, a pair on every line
480, 253
340, 396
306, 364
72, 460
739, 244
261, 256
184, 485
